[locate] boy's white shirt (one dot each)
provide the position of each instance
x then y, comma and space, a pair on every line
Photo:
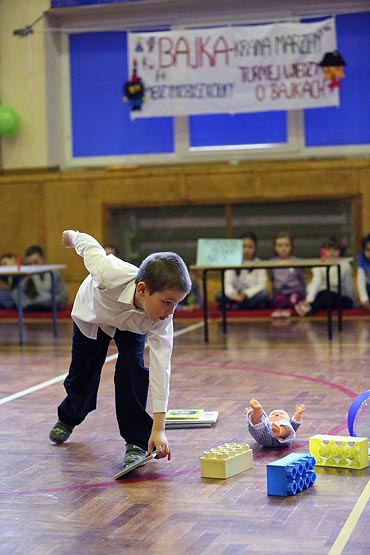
105, 300
248, 282
318, 281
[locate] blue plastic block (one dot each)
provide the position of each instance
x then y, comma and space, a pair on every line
291, 474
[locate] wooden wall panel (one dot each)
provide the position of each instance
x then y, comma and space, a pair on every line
72, 204
22, 216
36, 208
364, 190
142, 190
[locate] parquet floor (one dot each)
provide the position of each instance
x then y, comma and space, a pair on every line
59, 500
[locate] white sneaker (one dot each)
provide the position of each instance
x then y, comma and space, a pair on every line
285, 313
276, 314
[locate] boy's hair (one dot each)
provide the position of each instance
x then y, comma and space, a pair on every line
6, 255
249, 235
34, 249
164, 270
332, 243
284, 235
113, 248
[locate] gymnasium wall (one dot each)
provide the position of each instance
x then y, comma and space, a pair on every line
37, 207
36, 204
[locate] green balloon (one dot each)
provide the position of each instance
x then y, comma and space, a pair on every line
9, 120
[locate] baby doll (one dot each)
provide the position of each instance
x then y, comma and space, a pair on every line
274, 430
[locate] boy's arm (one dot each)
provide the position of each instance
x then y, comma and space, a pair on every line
230, 290
314, 286
98, 264
347, 281
361, 286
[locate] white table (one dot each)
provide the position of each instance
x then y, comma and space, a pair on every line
25, 271
270, 264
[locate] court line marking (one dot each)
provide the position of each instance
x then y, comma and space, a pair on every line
348, 527
160, 476
350, 524
60, 378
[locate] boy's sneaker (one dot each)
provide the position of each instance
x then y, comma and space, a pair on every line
134, 454
60, 432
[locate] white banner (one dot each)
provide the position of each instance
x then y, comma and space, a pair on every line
232, 69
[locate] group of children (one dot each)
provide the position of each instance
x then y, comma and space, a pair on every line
36, 289
247, 288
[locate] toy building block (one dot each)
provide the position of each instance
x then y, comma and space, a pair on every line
340, 451
226, 460
290, 475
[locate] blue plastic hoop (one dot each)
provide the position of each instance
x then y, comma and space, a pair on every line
353, 409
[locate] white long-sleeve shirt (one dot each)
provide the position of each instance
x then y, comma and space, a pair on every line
105, 300
318, 281
249, 282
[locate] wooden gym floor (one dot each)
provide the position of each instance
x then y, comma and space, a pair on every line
59, 500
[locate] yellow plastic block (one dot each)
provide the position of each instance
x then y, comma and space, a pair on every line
226, 460
340, 451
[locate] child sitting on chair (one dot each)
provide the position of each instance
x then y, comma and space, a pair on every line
274, 430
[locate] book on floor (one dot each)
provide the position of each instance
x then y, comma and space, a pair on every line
184, 414
206, 419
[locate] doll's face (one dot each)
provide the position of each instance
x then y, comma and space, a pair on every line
278, 414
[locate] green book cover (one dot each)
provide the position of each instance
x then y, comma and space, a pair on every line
184, 414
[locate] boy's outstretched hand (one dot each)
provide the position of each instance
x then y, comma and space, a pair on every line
67, 238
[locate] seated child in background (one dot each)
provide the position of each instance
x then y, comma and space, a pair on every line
246, 289
288, 284
274, 430
112, 249
363, 272
317, 293
8, 283
37, 288
192, 301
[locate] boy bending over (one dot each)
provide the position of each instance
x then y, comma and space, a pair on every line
119, 301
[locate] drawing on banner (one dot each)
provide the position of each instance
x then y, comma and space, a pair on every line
133, 90
256, 68
332, 66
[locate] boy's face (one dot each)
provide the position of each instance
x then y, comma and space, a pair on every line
332, 252
249, 249
158, 305
283, 247
34, 259
367, 250
8, 261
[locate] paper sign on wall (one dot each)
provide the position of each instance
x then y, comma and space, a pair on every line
233, 69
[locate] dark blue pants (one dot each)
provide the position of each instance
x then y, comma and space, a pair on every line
131, 380
322, 299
